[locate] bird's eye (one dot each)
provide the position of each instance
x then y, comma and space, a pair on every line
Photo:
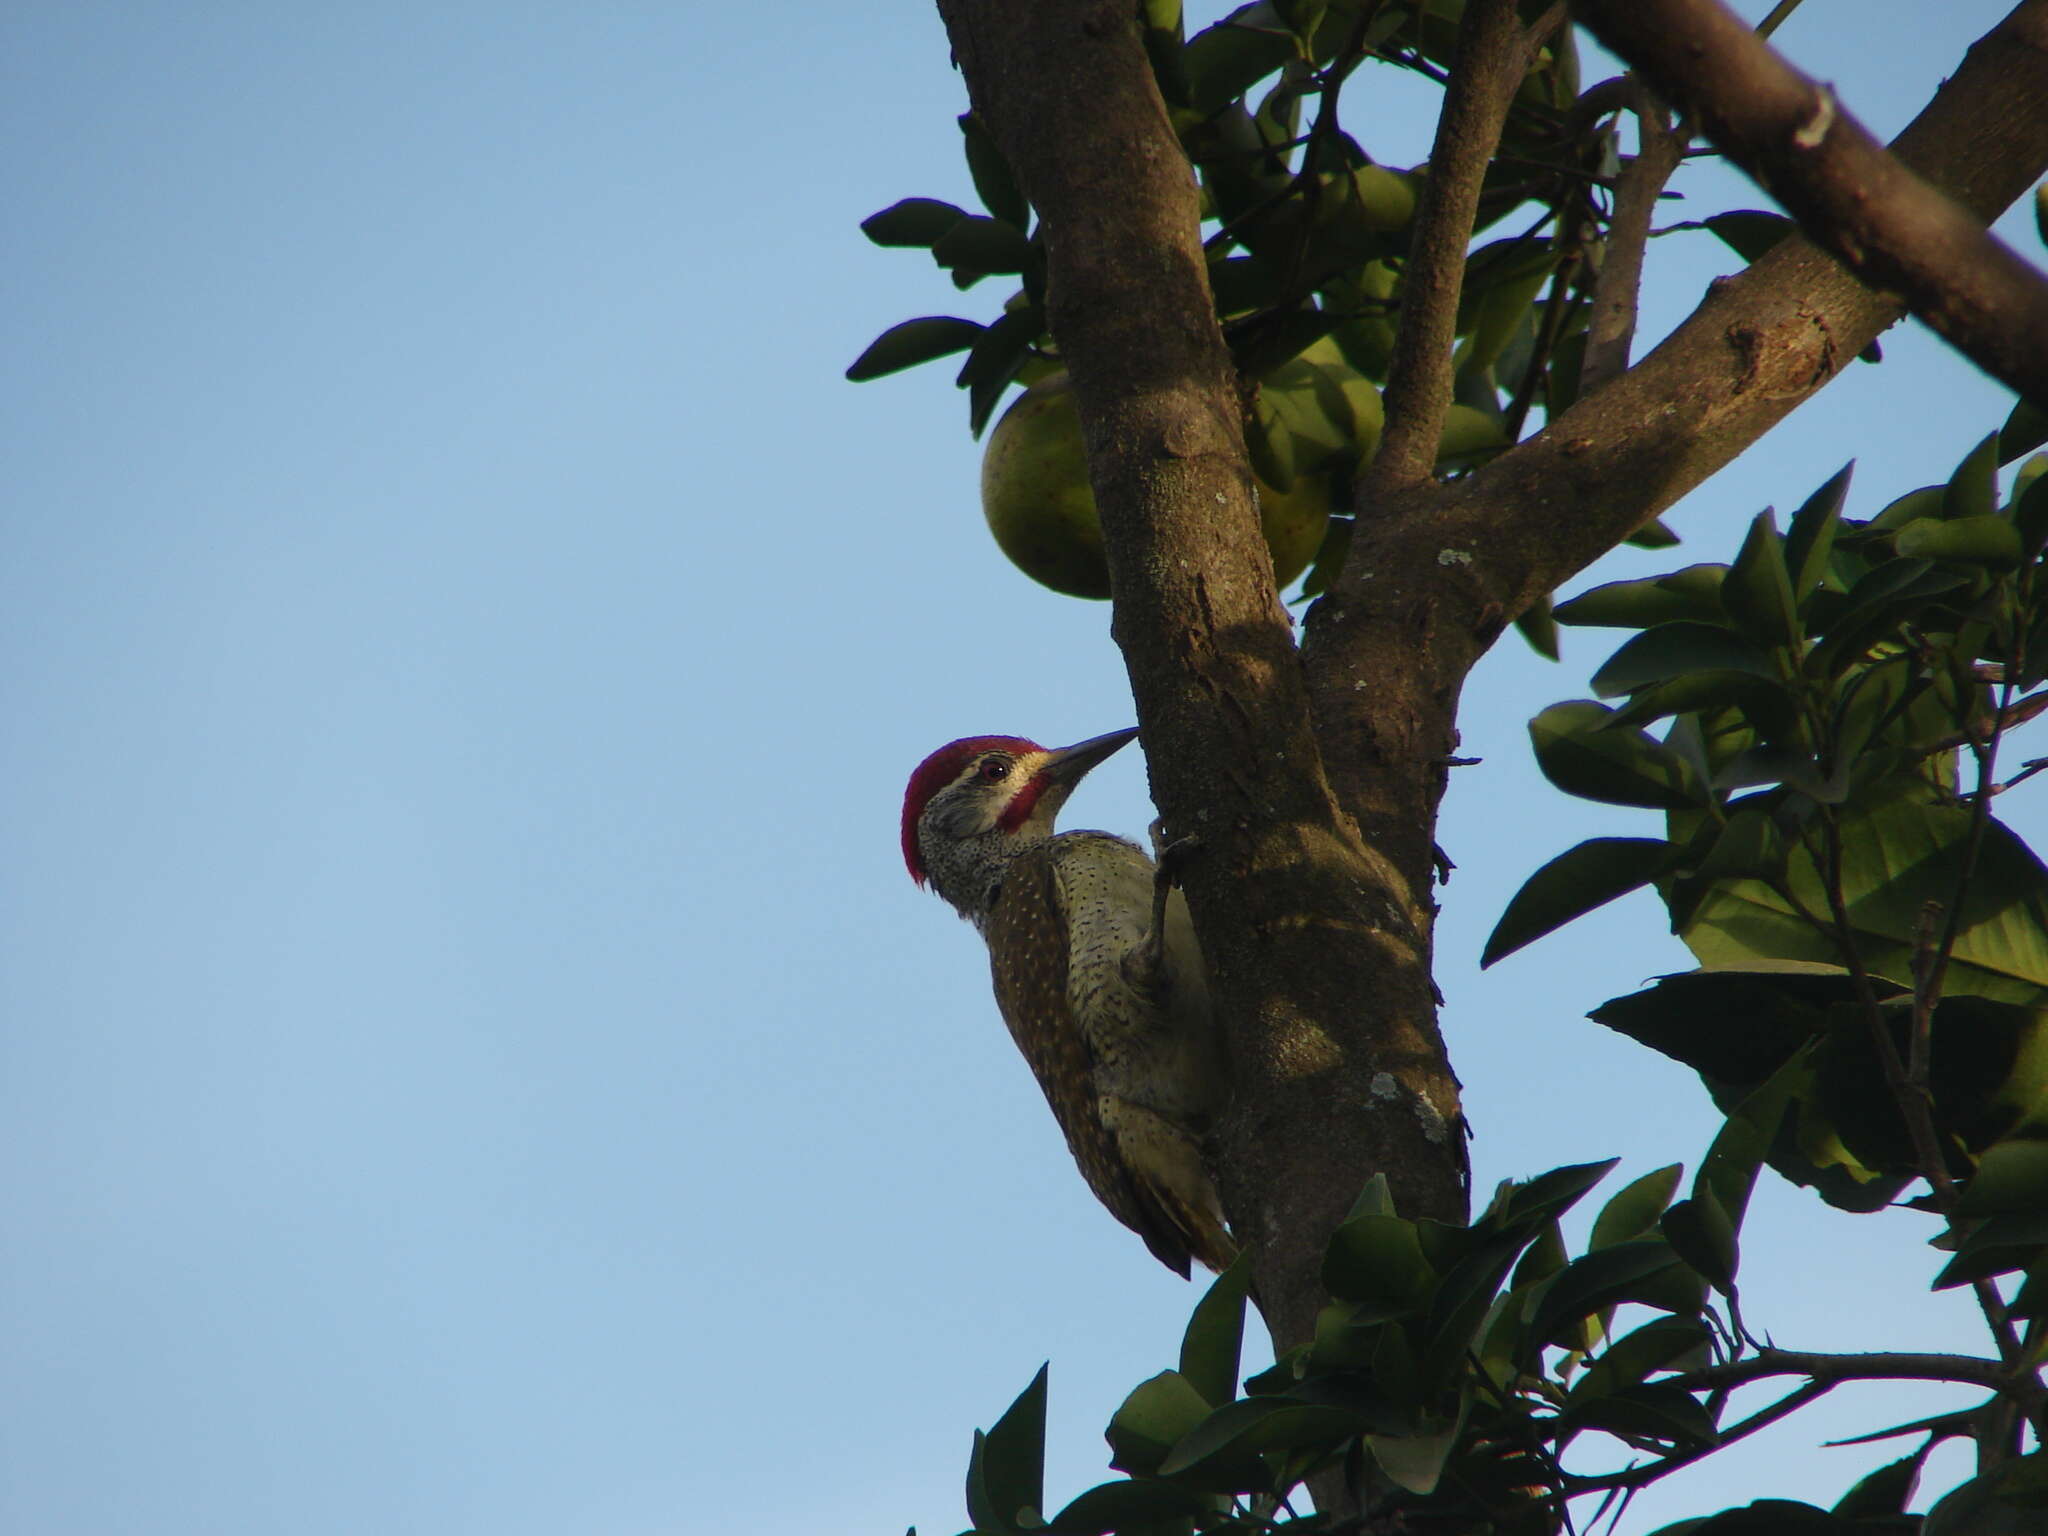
994, 769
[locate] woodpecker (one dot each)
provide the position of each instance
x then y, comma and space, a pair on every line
1097, 974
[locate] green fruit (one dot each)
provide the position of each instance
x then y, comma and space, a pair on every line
1035, 495
1294, 523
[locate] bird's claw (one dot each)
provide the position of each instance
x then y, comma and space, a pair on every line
1171, 857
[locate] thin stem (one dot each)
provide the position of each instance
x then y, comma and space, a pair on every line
1969, 1369
1552, 325
1779, 12
1612, 328
1649, 1472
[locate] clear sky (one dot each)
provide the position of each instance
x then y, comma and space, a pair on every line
473, 1060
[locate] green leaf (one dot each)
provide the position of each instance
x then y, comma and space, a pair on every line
1752, 1037
1996, 1246
2030, 516
1758, 592
1283, 1375
1763, 708
1651, 1411
913, 342
1269, 443
1244, 283
1873, 608
1972, 491
1766, 1517
1310, 404
1375, 1198
1925, 502
1810, 540
1416, 1462
1727, 1174
994, 359
915, 221
993, 183
1537, 625
1228, 59
1749, 232
1210, 1350
2004, 1502
983, 245
1748, 846
1541, 1259
1700, 1232
1469, 436
1635, 1211
1660, 1344
1461, 1304
1549, 1195
1988, 1074
1691, 593
1733, 1026
1227, 1440
2011, 1179
1595, 1282
1376, 1263
1152, 1420
1679, 650
1886, 1491
1498, 302
1895, 858
1617, 767
1573, 884
1006, 1473
1987, 540
2025, 429
1768, 764
1127, 1504
1656, 534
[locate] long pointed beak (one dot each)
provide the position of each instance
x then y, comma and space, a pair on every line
1067, 765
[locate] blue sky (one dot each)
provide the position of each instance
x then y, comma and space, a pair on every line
473, 1060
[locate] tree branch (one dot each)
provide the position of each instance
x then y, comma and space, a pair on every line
1892, 229
1611, 329
1493, 56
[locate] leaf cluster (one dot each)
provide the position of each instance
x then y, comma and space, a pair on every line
1306, 241
1821, 691
1456, 1371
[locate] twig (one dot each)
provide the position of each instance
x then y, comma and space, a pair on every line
2028, 769
1555, 308
1612, 327
1970, 1369
1776, 19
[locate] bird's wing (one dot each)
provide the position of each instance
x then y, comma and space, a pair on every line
1028, 950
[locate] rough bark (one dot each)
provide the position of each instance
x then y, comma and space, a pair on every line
1309, 779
